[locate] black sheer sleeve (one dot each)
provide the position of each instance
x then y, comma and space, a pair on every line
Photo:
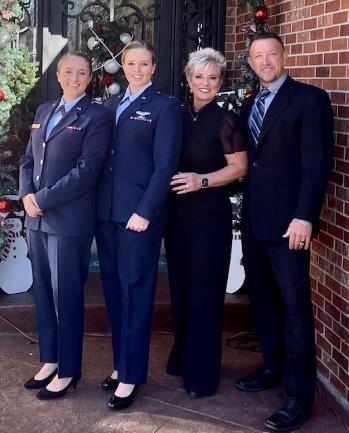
231, 136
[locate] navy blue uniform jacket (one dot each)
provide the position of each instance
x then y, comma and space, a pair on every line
288, 170
62, 170
144, 155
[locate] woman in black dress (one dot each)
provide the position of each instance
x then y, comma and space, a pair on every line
199, 230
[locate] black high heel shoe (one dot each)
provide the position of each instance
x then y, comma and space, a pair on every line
110, 384
37, 384
119, 403
45, 394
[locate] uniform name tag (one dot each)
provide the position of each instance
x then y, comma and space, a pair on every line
36, 125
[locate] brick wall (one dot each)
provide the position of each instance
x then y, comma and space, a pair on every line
317, 39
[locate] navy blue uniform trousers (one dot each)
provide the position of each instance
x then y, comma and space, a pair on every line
60, 267
129, 266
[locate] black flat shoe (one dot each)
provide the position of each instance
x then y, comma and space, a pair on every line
261, 380
288, 418
110, 384
45, 394
119, 403
37, 384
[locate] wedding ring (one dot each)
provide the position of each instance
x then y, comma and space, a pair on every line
186, 185
302, 242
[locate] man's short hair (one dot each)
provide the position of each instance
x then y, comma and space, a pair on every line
267, 35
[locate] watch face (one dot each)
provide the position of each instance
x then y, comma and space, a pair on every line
204, 182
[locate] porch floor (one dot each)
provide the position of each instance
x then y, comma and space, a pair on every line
162, 405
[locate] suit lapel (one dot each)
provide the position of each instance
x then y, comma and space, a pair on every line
70, 117
277, 106
48, 117
137, 105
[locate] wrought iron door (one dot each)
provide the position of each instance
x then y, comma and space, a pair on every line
175, 27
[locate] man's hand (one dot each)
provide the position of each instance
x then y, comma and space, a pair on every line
299, 235
137, 223
31, 205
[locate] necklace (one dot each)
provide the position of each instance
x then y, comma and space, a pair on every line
194, 117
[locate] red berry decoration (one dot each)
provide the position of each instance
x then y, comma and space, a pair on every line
5, 206
248, 94
261, 14
2, 95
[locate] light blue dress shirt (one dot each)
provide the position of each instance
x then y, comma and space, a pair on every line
57, 115
127, 100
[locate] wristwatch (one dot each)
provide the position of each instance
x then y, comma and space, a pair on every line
204, 181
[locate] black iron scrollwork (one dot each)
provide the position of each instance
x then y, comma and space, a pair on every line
128, 16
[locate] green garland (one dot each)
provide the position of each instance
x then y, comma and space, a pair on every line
17, 79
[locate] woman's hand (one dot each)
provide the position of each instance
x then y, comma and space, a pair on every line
137, 223
31, 206
182, 183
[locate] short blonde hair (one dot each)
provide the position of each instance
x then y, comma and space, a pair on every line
139, 44
84, 56
202, 59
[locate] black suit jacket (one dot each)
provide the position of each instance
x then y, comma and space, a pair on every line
289, 169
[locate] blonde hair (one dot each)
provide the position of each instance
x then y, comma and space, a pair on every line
76, 54
139, 44
202, 59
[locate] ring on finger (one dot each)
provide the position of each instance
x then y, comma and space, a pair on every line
186, 185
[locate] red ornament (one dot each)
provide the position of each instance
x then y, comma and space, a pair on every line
107, 80
261, 14
5, 206
2, 95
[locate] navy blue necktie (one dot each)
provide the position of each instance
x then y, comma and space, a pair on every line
258, 112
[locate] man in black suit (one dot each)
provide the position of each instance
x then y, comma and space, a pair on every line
289, 136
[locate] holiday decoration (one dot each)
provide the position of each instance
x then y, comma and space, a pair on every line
15, 267
17, 79
249, 81
105, 43
261, 14
5, 206
114, 89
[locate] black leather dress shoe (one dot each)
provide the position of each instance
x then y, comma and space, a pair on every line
119, 403
37, 384
45, 394
288, 418
261, 380
110, 384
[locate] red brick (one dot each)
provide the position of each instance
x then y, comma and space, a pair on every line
316, 59
332, 337
343, 375
310, 24
340, 17
337, 384
330, 363
323, 72
319, 326
324, 344
340, 44
317, 10
330, 58
332, 6
343, 112
342, 361
332, 32
343, 57
318, 299
317, 34
342, 332
332, 311
309, 48
325, 318
323, 370
326, 239
345, 349
338, 71
344, 30
324, 46
335, 231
